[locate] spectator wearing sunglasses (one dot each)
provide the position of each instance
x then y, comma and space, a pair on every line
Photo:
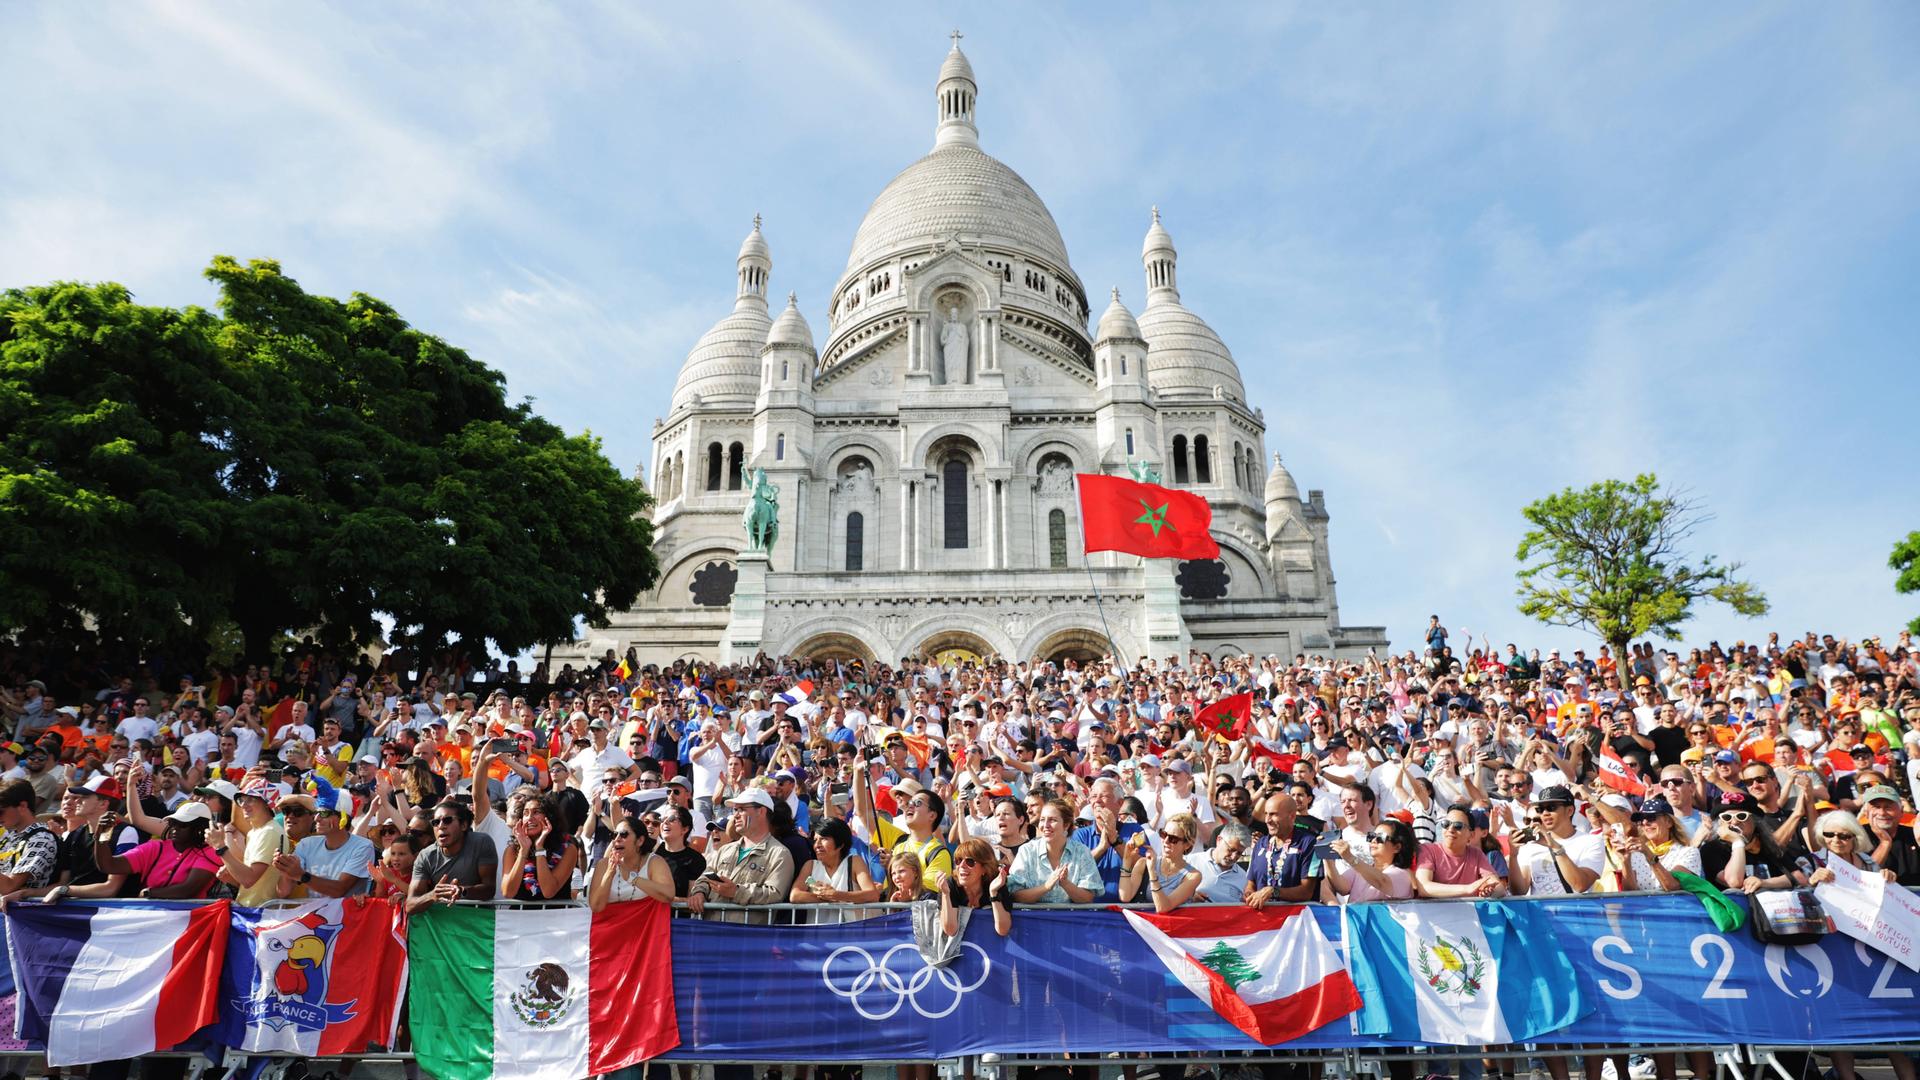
1387, 872
1742, 855
1453, 865
1166, 876
978, 880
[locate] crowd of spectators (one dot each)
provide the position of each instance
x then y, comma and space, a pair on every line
984, 785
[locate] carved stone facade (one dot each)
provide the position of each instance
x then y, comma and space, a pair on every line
924, 457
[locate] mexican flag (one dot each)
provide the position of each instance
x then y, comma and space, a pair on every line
543, 993
1118, 514
1270, 973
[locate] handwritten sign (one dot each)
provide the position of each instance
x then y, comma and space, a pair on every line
1865, 909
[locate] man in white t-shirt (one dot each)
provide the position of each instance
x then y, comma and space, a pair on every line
1561, 860
600, 762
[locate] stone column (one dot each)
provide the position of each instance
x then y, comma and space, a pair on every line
914, 337
990, 531
906, 524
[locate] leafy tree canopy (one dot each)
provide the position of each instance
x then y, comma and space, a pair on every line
1905, 561
294, 461
1609, 558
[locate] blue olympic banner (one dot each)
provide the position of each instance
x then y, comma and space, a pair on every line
1651, 969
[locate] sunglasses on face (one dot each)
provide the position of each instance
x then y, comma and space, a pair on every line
295, 811
1735, 815
1830, 837
1386, 838
1175, 837
964, 861
1455, 826
1674, 781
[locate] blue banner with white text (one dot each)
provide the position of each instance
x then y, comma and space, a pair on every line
1651, 969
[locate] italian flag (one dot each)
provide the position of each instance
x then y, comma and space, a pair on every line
1270, 973
541, 994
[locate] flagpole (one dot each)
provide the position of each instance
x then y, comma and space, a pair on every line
1086, 560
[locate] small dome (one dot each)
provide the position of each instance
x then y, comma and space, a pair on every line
1185, 358
724, 367
1280, 485
791, 328
755, 245
1158, 239
956, 66
1117, 322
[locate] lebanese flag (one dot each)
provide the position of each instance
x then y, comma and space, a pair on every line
1270, 973
1118, 514
105, 983
1616, 774
1229, 718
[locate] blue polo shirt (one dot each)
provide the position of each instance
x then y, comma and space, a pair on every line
1109, 864
1286, 865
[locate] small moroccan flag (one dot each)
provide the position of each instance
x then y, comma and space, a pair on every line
1118, 514
1229, 718
1271, 973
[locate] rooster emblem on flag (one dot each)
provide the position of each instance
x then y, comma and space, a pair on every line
301, 958
293, 965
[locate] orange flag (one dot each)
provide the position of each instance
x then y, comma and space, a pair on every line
1758, 750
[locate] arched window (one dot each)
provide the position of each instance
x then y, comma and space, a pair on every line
679, 474
953, 481
736, 462
1202, 463
783, 371
1239, 480
779, 448
1180, 459
1057, 539
1123, 367
713, 466
1129, 442
856, 541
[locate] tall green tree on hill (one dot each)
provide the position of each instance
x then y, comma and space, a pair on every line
302, 462
1905, 561
1609, 558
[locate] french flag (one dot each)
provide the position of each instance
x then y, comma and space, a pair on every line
102, 983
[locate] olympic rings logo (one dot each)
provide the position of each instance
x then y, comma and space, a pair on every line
904, 988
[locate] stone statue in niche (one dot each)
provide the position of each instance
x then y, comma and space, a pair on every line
953, 350
856, 480
1056, 478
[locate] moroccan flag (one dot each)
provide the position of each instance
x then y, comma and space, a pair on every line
1270, 973
1616, 774
324, 978
1118, 514
1229, 718
544, 994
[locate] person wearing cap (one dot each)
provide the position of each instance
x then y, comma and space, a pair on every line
754, 869
1559, 859
250, 842
79, 873
1741, 855
10, 767
1721, 778
180, 864
334, 861
29, 852
1892, 845
1648, 855
600, 763
680, 795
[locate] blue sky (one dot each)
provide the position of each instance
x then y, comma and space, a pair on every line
1465, 255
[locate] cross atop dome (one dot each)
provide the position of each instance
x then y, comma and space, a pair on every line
956, 35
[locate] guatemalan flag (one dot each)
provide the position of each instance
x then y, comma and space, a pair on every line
101, 983
321, 979
1460, 974
1271, 973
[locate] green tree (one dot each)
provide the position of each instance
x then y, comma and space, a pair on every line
115, 420
1905, 560
1609, 558
1228, 963
296, 462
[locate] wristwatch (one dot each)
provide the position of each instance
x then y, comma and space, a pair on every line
305, 877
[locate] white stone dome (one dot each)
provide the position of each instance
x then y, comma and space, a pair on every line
1280, 485
1117, 321
791, 328
957, 189
724, 367
1185, 358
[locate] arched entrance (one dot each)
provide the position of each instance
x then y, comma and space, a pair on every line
1076, 644
949, 647
829, 647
